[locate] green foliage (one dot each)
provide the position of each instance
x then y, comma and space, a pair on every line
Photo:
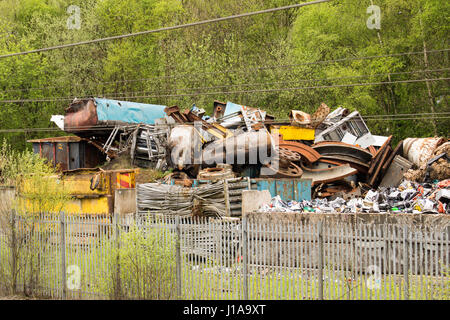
25, 240
142, 267
223, 60
35, 181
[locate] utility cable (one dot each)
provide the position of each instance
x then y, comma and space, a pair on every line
187, 25
190, 75
235, 92
380, 117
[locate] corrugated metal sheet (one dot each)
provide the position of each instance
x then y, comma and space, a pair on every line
287, 189
68, 152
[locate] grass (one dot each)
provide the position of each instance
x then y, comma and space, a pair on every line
209, 282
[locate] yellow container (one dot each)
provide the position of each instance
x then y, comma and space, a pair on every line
294, 132
92, 190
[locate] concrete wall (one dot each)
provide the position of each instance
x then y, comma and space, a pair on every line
7, 197
125, 201
418, 220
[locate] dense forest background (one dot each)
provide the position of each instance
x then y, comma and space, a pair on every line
292, 59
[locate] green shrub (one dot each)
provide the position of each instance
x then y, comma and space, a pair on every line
142, 266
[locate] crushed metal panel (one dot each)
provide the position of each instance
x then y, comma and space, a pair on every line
365, 141
343, 149
231, 108
235, 114
394, 174
80, 115
150, 146
328, 175
352, 123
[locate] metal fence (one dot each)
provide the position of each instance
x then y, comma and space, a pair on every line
172, 257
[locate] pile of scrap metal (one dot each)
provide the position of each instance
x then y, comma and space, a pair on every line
236, 136
408, 197
120, 127
353, 161
334, 149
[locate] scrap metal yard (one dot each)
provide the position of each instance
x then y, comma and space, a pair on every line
224, 150
250, 209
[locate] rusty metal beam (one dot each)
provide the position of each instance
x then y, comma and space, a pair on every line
385, 144
214, 128
374, 177
175, 113
377, 158
397, 151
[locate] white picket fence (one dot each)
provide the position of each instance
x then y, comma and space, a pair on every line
169, 257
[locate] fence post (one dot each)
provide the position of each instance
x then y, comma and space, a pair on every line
320, 260
62, 235
245, 254
226, 198
117, 243
13, 252
178, 255
405, 262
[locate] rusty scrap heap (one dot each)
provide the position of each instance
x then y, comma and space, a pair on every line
335, 150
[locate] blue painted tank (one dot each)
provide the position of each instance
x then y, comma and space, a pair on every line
126, 111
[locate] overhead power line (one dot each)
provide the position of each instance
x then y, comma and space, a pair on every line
382, 117
283, 82
247, 84
245, 70
187, 25
286, 89
56, 99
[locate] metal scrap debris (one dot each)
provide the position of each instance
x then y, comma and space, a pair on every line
335, 150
